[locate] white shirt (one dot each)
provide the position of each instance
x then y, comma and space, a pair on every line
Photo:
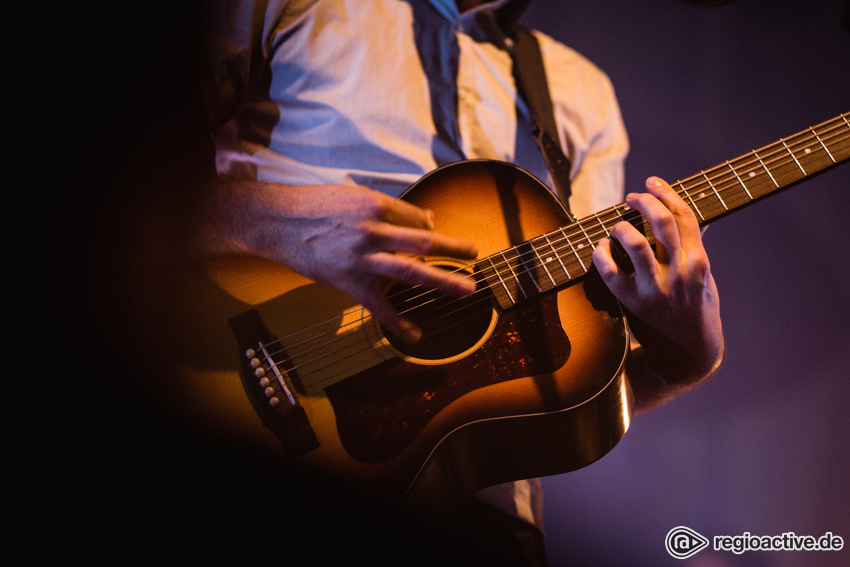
380, 92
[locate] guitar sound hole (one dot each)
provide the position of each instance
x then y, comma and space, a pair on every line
450, 325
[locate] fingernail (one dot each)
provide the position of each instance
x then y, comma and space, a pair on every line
655, 181
429, 220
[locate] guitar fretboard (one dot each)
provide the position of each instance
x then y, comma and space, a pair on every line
555, 259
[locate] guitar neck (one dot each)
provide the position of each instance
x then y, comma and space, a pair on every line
556, 259
715, 192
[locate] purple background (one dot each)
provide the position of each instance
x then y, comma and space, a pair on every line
763, 447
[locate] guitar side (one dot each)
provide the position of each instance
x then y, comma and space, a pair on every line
539, 389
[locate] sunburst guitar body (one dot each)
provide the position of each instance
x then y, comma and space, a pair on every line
524, 378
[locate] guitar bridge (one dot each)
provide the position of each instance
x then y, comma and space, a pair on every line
281, 384
271, 383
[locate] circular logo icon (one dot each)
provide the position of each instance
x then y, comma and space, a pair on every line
683, 542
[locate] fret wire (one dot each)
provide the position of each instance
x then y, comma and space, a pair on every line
558, 256
523, 263
793, 156
501, 280
816, 136
586, 237
741, 181
631, 215
513, 274
804, 146
543, 263
602, 224
711, 185
822, 144
576, 267
688, 196
573, 248
532, 272
617, 215
766, 170
730, 180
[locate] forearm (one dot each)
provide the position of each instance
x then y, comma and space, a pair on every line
248, 218
667, 371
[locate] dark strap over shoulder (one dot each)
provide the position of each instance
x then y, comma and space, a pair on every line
530, 77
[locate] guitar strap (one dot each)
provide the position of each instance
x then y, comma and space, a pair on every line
530, 77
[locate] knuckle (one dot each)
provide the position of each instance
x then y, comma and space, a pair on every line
700, 266
665, 220
683, 209
621, 230
374, 205
368, 235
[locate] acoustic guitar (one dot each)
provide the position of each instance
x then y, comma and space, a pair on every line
525, 378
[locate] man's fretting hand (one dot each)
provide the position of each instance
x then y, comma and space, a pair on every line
671, 293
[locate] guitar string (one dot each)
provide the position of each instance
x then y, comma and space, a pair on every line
737, 181
519, 261
765, 162
567, 238
756, 163
713, 184
616, 211
724, 182
482, 299
459, 322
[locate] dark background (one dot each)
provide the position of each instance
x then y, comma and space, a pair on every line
762, 448
111, 123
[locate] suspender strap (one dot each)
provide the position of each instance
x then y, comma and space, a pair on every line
530, 78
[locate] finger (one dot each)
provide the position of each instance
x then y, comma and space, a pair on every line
402, 213
618, 281
392, 238
636, 246
662, 222
686, 220
413, 272
385, 314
